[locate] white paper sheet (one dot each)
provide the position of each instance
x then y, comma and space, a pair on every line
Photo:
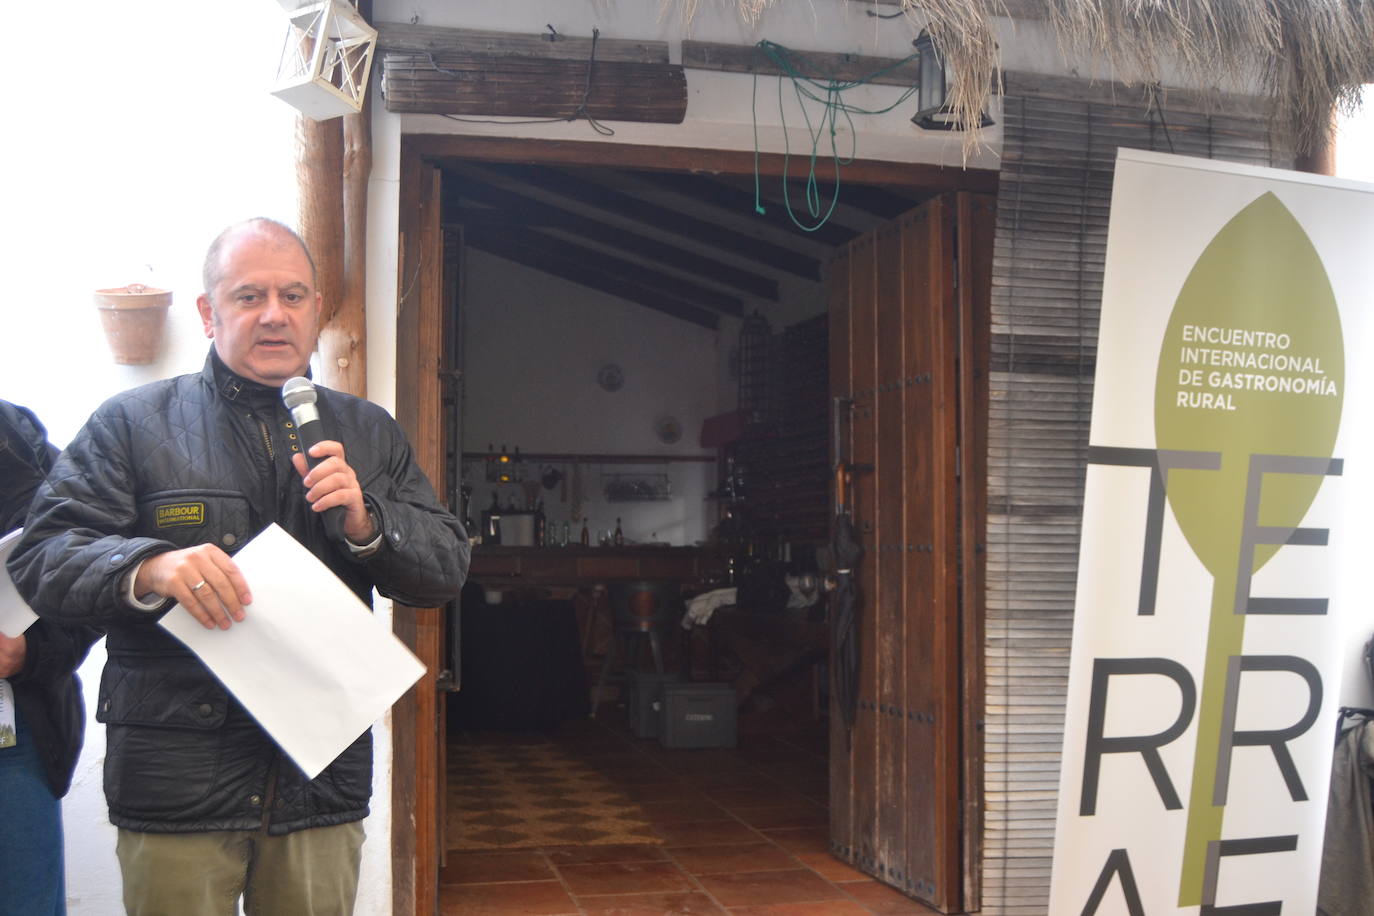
15, 614
309, 661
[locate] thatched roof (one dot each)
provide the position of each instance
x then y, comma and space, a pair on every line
1309, 55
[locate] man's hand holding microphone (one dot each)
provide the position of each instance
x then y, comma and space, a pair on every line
206, 581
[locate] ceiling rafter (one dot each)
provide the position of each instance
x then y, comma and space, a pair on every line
684, 290
526, 248
741, 203
530, 211
663, 219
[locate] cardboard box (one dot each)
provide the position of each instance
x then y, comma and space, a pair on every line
697, 715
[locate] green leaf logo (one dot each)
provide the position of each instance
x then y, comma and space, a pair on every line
1253, 362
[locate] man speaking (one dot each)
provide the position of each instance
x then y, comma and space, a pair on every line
145, 509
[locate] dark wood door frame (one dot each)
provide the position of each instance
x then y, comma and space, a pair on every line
420, 297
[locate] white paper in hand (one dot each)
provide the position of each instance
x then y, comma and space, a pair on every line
309, 661
15, 614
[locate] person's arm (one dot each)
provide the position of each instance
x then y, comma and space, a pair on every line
45, 653
25, 459
424, 554
78, 545
415, 550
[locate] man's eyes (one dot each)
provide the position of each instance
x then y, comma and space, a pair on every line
251, 299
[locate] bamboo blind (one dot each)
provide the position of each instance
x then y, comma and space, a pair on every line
1060, 142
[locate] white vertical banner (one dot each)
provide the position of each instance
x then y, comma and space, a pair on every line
1222, 583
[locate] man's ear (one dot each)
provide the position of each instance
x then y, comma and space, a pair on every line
207, 314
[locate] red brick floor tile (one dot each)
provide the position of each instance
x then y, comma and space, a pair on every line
637, 774
800, 839
706, 833
830, 868
490, 868
531, 898
678, 812
586, 855
818, 908
776, 816
733, 799
737, 857
880, 898
665, 791
624, 878
751, 888
686, 904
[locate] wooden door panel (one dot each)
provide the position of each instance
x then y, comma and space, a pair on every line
887, 555
921, 250
863, 325
841, 385
898, 780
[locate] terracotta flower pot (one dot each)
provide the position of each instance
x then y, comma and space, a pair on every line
135, 319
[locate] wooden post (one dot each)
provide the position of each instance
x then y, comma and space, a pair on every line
343, 338
319, 162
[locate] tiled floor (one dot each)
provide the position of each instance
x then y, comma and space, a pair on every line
744, 832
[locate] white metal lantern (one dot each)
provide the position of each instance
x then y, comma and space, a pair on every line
326, 60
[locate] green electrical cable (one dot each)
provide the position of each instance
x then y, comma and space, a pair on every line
828, 91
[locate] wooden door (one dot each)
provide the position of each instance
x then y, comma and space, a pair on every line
416, 806
908, 342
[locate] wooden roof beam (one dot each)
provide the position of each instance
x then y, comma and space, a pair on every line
514, 247
674, 257
608, 264
740, 204
664, 219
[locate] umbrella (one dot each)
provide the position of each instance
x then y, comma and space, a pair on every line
844, 616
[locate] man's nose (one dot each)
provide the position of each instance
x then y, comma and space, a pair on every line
274, 312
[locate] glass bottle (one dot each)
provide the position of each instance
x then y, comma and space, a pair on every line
618, 539
567, 534
586, 535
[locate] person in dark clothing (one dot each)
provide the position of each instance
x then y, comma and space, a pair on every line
146, 507
47, 716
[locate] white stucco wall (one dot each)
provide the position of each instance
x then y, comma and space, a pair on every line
136, 132
533, 345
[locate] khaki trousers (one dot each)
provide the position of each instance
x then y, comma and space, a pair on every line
307, 873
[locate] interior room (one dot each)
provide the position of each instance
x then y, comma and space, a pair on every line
638, 435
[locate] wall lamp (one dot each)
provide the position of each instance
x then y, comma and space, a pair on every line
934, 112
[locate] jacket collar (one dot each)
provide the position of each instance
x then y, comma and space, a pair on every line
235, 388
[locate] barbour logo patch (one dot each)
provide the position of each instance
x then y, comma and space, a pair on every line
181, 515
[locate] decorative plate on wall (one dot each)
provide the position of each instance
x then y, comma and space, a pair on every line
610, 377
668, 430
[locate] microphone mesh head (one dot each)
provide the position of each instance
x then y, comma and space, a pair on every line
297, 391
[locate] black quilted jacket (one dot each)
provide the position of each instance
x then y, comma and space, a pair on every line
46, 691
206, 458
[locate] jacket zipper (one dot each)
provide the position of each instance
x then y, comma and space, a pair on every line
266, 438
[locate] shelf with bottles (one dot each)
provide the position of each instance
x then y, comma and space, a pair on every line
630, 488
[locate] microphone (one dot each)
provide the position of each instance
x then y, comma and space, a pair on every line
298, 394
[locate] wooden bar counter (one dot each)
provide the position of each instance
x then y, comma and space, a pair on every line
497, 566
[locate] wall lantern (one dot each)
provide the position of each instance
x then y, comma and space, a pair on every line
934, 112
327, 58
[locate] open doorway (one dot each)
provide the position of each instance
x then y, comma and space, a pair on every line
544, 244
